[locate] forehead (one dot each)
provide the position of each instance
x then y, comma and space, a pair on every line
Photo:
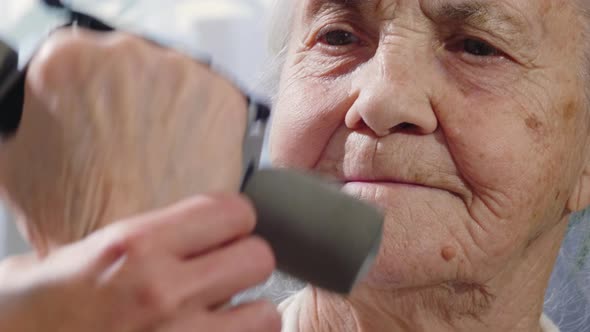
526, 8
525, 24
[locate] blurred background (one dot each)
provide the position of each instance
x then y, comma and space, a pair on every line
232, 34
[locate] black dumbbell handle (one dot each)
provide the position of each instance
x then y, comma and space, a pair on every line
12, 86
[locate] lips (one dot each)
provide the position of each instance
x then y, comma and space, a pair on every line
383, 180
369, 171
360, 160
399, 178
357, 188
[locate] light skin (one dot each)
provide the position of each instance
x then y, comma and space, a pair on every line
155, 272
467, 123
114, 127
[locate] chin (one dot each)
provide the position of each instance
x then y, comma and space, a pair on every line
416, 234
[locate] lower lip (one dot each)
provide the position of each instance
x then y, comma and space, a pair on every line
378, 193
382, 194
357, 187
378, 184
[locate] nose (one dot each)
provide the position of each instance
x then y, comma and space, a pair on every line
392, 97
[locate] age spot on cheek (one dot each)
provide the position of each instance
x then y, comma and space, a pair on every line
448, 253
569, 111
533, 123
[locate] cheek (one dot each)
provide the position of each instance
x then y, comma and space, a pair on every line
306, 116
485, 144
506, 150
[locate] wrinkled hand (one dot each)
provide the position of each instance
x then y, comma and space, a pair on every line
166, 271
113, 126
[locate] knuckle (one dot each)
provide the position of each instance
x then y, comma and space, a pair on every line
127, 53
111, 251
260, 252
236, 210
155, 299
243, 211
149, 291
135, 244
124, 43
63, 59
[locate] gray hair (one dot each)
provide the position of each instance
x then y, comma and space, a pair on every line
279, 36
567, 299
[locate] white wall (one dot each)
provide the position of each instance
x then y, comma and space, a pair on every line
3, 221
11, 241
232, 32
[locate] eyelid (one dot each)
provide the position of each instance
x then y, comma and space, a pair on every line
457, 40
504, 47
364, 39
330, 27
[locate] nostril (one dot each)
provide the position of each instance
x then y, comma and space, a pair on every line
405, 126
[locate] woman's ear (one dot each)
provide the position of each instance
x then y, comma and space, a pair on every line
580, 198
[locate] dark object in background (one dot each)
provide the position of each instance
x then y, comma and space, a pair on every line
12, 90
54, 3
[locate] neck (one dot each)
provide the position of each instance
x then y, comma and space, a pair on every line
511, 301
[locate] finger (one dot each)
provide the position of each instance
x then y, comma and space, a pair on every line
250, 317
212, 279
99, 251
198, 224
67, 55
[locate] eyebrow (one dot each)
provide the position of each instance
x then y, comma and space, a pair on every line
487, 15
314, 6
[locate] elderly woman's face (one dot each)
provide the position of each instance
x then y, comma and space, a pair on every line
464, 120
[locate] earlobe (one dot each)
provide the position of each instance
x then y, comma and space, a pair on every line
580, 198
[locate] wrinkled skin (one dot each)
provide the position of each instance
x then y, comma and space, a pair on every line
469, 131
135, 276
115, 126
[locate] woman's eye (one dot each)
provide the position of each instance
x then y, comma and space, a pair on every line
339, 38
479, 48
